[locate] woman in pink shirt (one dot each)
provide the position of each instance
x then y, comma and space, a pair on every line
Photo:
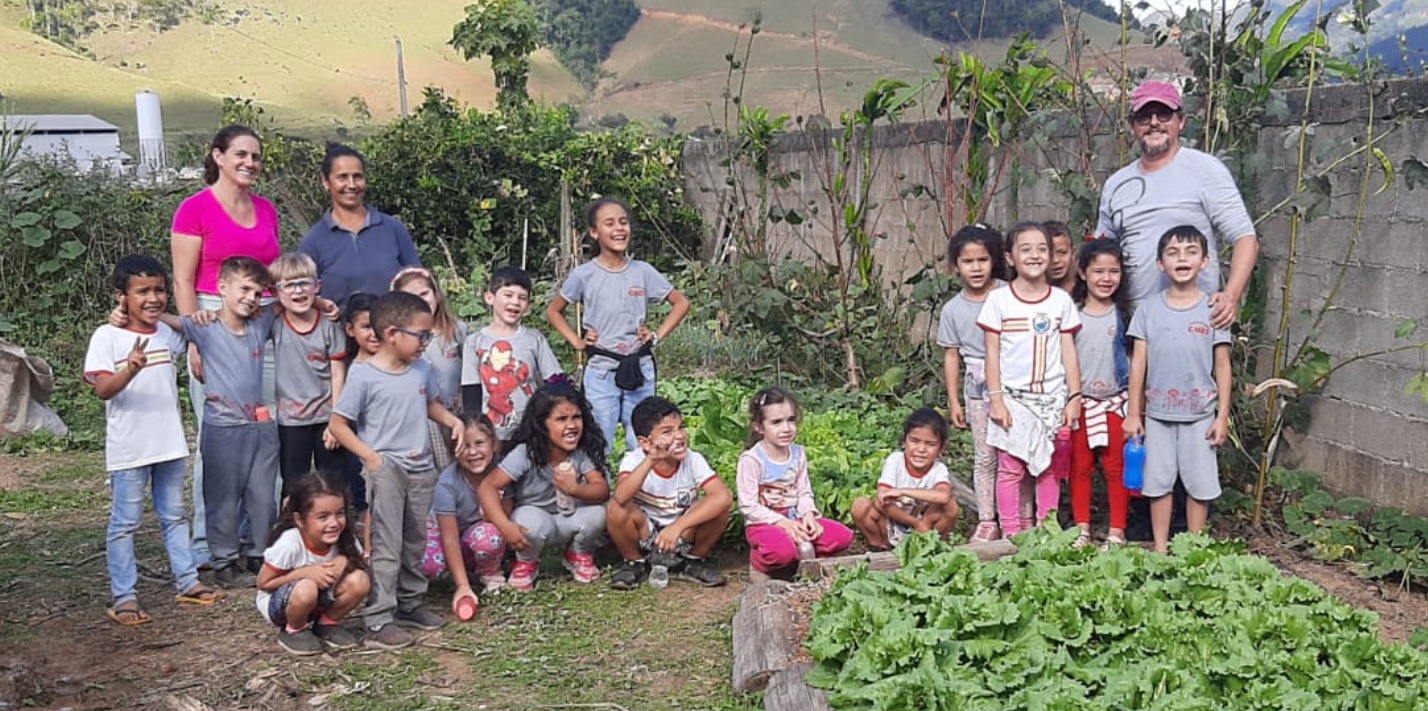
221, 221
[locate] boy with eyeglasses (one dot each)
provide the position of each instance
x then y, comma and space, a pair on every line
309, 354
388, 398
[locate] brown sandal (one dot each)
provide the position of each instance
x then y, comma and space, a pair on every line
201, 594
129, 614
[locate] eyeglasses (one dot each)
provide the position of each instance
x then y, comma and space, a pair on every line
423, 337
1162, 114
298, 285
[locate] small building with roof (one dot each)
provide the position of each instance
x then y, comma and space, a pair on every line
93, 144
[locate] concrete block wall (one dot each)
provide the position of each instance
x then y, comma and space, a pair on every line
1366, 434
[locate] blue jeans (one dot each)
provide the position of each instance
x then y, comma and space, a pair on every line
129, 485
611, 405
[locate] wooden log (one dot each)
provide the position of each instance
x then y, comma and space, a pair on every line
788, 691
763, 638
819, 568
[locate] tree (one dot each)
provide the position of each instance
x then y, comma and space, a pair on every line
508, 32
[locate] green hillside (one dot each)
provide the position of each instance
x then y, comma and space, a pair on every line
305, 60
302, 60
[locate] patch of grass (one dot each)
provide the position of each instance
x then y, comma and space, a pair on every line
34, 501
71, 483
399, 683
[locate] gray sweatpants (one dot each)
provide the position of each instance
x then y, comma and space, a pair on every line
582, 529
400, 502
240, 477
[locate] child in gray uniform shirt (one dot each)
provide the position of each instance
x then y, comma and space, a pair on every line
616, 290
239, 440
390, 398
310, 353
1179, 386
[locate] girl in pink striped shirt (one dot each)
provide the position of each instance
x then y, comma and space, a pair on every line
775, 493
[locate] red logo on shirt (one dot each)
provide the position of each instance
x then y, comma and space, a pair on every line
637, 291
1200, 328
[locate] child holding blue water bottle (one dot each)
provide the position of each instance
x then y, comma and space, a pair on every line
1100, 292
1179, 386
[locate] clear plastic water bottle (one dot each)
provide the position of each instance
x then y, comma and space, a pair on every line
659, 576
1134, 474
659, 570
563, 501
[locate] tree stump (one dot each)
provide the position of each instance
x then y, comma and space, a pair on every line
763, 638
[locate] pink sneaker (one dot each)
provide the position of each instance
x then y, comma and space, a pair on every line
523, 575
986, 532
582, 566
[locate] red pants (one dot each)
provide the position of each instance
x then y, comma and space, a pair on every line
1083, 462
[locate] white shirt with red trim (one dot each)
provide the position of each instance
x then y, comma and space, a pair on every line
287, 554
897, 475
1030, 333
665, 496
142, 423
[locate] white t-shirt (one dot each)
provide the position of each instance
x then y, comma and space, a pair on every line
143, 423
1030, 333
665, 497
287, 554
896, 475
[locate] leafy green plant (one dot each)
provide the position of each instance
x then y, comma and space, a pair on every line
1055, 627
1382, 542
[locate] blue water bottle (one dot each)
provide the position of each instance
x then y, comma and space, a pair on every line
1134, 475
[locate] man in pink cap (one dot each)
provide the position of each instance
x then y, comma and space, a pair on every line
1172, 185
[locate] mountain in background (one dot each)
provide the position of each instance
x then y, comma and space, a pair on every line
321, 68
1398, 33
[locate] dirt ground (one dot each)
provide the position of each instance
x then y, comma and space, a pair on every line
642, 649
562, 644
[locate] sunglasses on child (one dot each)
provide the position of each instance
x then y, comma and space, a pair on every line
423, 337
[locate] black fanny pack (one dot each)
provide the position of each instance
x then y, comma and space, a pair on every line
628, 375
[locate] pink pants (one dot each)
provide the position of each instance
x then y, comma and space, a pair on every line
1016, 490
770, 549
482, 549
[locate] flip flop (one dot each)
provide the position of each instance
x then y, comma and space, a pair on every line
128, 614
201, 594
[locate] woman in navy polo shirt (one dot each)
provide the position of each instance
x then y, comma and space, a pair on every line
357, 248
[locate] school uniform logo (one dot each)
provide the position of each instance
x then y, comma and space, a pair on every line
1199, 328
1041, 324
637, 292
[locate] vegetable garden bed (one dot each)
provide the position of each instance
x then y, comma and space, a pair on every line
1054, 627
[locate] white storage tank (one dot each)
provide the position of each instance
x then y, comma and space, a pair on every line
152, 159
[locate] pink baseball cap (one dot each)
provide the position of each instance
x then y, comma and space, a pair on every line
1155, 92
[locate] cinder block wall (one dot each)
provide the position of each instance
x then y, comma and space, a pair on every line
1369, 437
1366, 434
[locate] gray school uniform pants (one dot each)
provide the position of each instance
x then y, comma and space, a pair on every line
582, 529
400, 502
239, 466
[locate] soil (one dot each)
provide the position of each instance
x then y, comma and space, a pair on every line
60, 651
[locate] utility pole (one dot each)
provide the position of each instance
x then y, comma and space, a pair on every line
401, 77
